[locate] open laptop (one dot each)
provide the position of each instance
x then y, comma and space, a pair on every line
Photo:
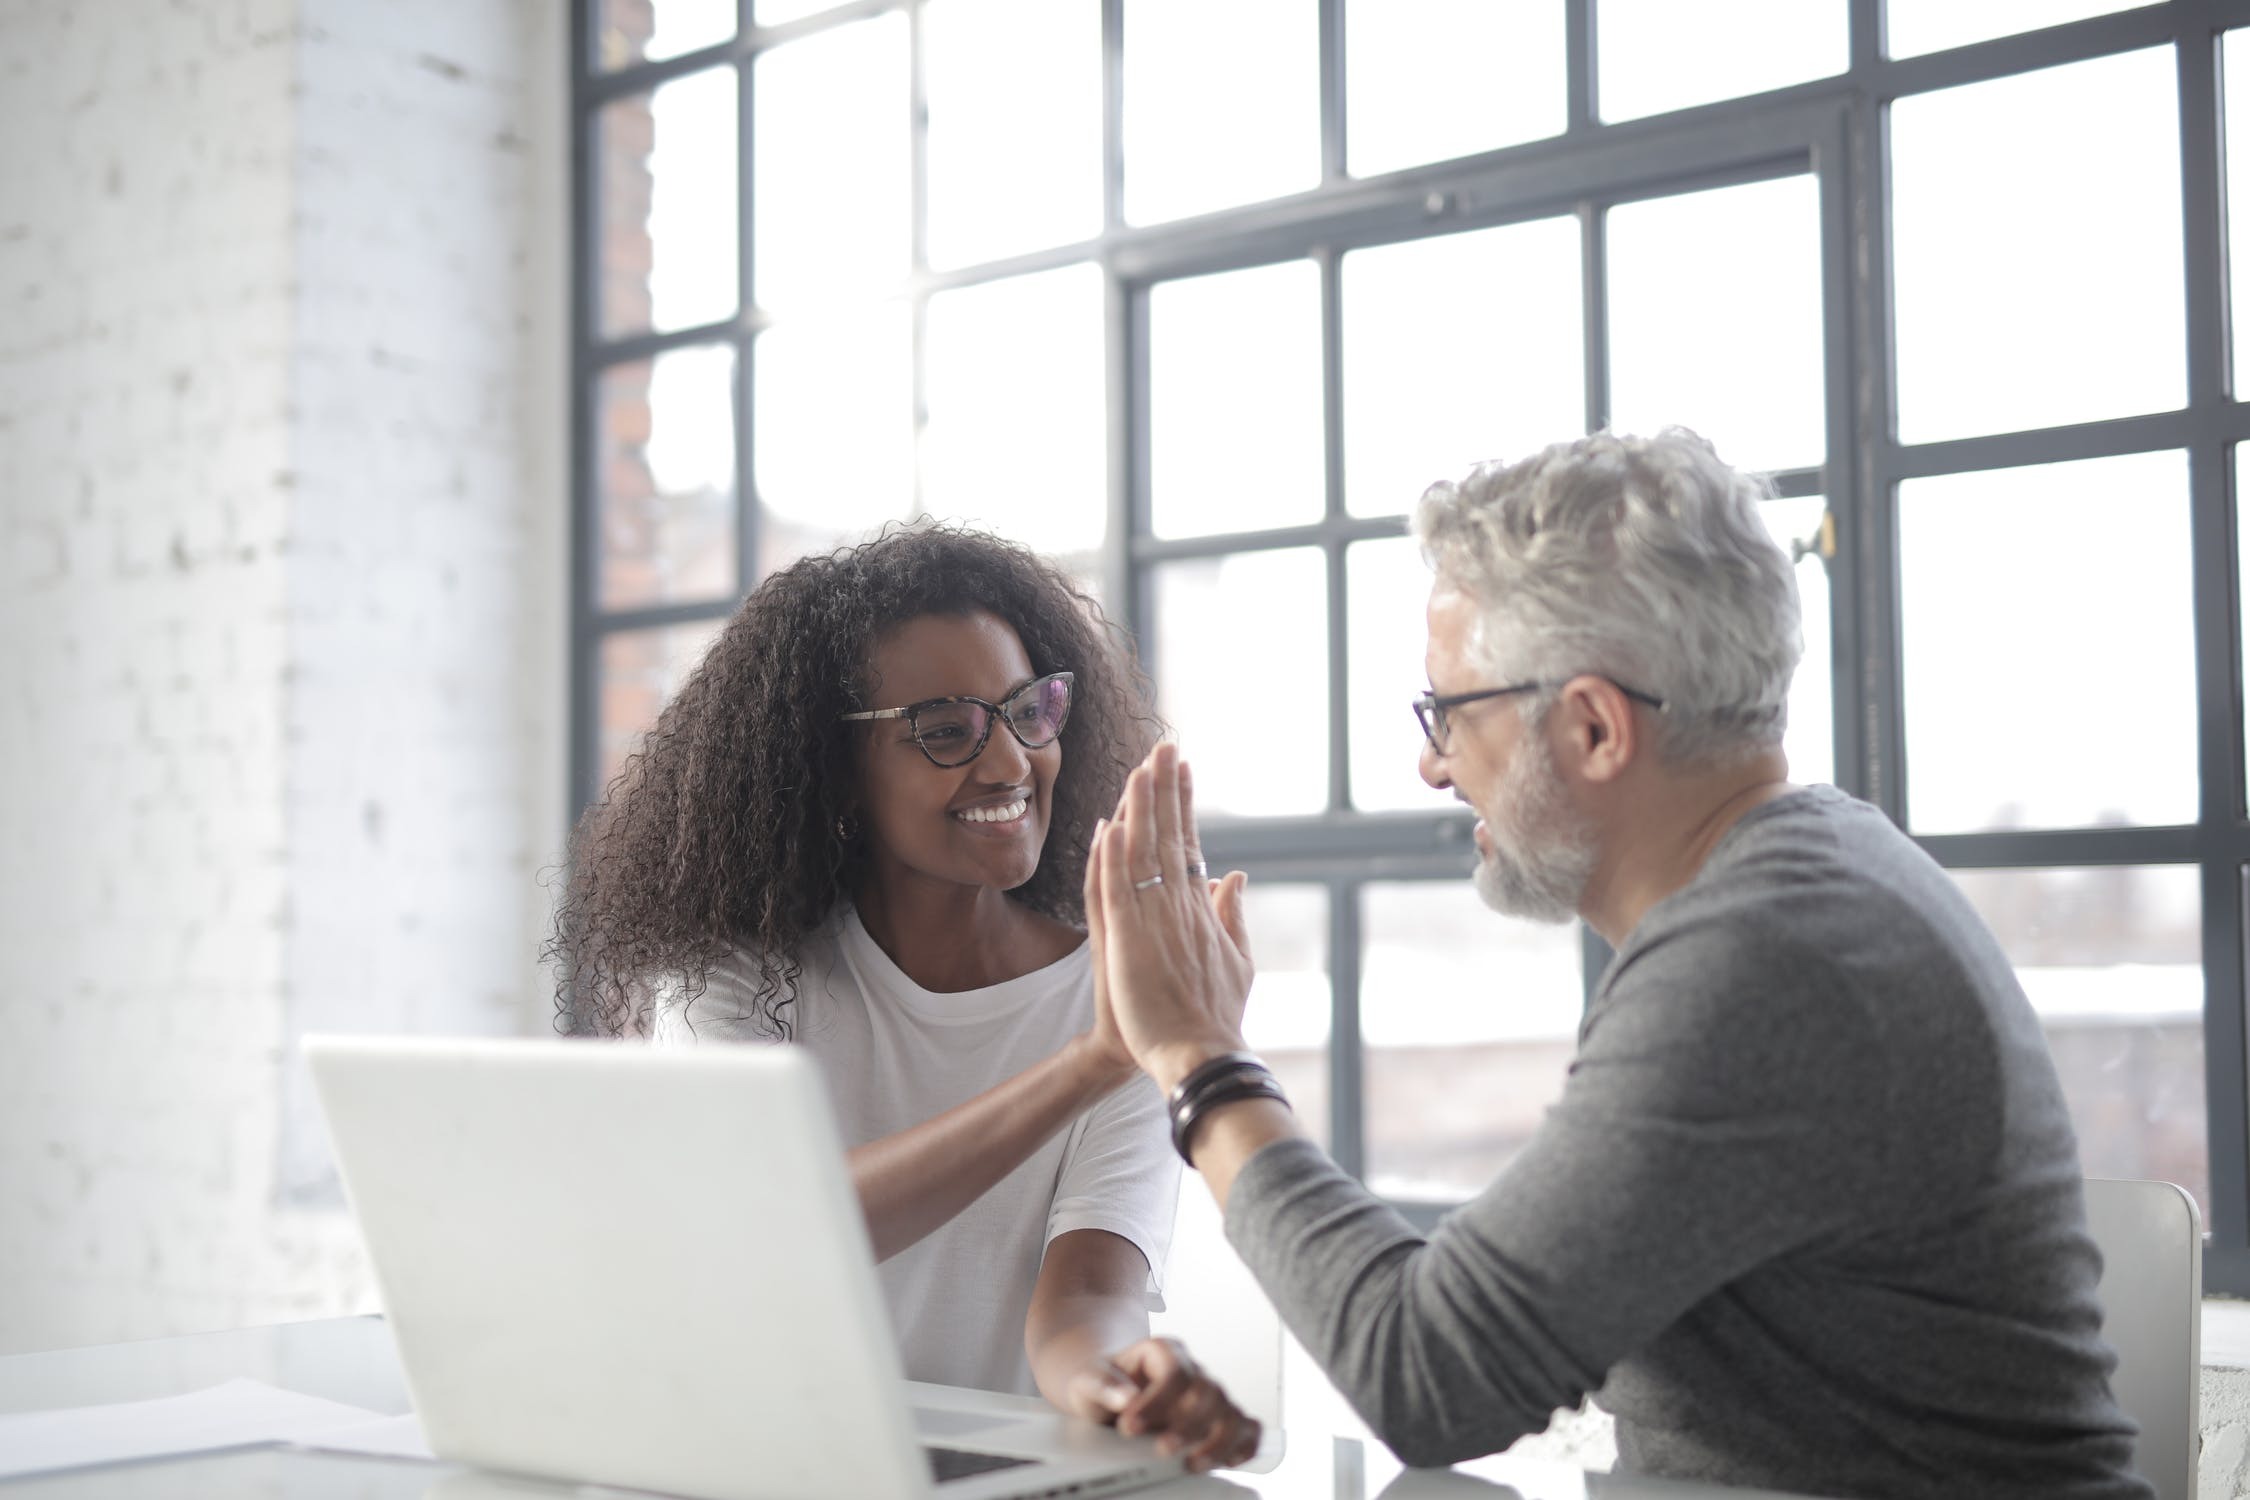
647, 1268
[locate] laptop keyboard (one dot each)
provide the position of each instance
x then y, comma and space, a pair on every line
957, 1463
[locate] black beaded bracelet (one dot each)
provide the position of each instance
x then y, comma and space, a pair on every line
1207, 1070
1226, 1079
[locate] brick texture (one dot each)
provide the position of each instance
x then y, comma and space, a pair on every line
281, 512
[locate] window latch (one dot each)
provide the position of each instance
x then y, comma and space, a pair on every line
1822, 542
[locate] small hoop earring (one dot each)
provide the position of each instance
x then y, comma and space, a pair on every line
847, 828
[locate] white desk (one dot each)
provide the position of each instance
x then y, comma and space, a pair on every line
351, 1360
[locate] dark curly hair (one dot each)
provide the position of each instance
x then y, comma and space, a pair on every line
719, 836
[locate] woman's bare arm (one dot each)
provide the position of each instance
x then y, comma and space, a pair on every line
1090, 1301
1087, 1338
915, 1180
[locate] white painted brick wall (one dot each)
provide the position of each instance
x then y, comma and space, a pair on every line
413, 537
281, 625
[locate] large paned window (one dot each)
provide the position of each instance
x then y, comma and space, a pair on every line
1199, 298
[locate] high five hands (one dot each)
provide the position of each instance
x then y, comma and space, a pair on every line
1172, 970
1169, 945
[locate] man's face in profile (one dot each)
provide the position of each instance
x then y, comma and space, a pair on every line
1536, 851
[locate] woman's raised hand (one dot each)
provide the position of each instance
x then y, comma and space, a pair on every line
1105, 1038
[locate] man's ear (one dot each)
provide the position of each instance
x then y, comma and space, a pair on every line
1603, 735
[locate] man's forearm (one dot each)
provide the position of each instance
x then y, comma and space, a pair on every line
1230, 1134
1225, 1135
1387, 1317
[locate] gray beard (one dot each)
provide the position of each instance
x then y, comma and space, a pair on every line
1543, 854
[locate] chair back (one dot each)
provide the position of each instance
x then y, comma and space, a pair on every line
2151, 1239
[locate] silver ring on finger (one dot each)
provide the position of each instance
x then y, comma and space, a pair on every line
1151, 883
1197, 869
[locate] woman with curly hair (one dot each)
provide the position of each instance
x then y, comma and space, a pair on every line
861, 826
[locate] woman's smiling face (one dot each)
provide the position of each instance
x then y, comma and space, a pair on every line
983, 823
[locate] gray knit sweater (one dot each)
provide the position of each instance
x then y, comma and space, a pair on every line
1807, 1216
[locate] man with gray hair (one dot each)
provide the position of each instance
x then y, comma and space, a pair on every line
1808, 1214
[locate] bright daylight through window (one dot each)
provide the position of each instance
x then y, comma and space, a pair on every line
1200, 298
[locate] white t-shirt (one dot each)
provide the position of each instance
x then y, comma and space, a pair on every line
894, 1055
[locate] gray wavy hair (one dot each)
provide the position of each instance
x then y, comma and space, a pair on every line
1640, 559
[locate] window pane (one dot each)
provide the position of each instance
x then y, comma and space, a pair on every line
1469, 1020
2236, 57
774, 12
667, 203
1426, 80
1715, 320
833, 417
1425, 398
831, 168
1222, 104
1242, 674
1291, 997
632, 31
666, 479
1659, 55
1018, 434
2037, 271
1388, 592
2049, 646
640, 671
1919, 26
1015, 125
2112, 960
1811, 738
1235, 401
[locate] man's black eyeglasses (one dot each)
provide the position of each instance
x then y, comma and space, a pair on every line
1434, 710
953, 731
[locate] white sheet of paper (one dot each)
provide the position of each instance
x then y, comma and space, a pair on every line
221, 1416
391, 1437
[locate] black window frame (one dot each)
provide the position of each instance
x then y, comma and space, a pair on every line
1835, 129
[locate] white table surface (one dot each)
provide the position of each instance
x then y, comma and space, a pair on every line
351, 1360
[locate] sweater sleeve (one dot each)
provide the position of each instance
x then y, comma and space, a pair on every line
1723, 1108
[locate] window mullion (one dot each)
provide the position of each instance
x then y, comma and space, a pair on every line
1347, 1062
